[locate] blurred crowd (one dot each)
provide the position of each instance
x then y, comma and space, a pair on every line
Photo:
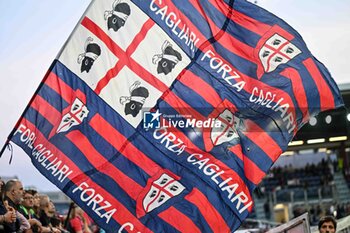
323, 173
313, 181
29, 211
317, 211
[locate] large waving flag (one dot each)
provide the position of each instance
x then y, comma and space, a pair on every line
163, 116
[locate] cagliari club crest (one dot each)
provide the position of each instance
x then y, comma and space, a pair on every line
276, 51
159, 192
117, 17
224, 130
77, 112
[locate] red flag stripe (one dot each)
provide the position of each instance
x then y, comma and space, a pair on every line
120, 143
202, 88
242, 19
49, 112
111, 135
140, 36
178, 220
298, 90
44, 108
79, 176
251, 170
184, 22
181, 106
55, 83
145, 75
262, 140
122, 55
101, 164
112, 73
326, 96
250, 23
95, 29
239, 48
211, 215
237, 150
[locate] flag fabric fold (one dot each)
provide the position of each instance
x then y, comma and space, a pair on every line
163, 116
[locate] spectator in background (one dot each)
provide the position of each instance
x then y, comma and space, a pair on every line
13, 196
267, 209
76, 221
36, 203
26, 209
14, 193
6, 217
327, 224
55, 218
46, 212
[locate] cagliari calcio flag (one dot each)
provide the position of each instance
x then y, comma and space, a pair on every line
163, 116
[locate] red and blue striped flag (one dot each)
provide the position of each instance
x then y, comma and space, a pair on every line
163, 116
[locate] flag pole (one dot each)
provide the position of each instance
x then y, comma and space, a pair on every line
43, 80
4, 146
65, 225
